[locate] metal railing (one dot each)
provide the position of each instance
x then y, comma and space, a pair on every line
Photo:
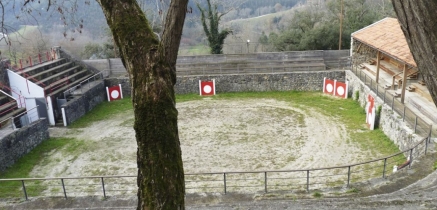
15, 122
33, 60
87, 81
25, 75
416, 123
300, 180
21, 101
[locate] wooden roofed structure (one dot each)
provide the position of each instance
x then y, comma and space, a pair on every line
393, 54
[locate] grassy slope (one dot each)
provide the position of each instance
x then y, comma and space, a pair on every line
345, 111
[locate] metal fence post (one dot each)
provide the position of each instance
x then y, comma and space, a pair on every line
377, 91
63, 188
265, 182
24, 190
224, 181
426, 144
12, 123
103, 187
411, 158
415, 124
348, 175
403, 118
393, 103
308, 180
385, 165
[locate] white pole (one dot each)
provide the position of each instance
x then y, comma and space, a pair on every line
107, 93
64, 118
213, 84
200, 87
121, 91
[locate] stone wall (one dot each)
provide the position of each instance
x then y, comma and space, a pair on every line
390, 122
300, 81
365, 53
21, 142
79, 106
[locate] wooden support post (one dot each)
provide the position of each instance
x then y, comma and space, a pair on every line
393, 83
378, 60
404, 83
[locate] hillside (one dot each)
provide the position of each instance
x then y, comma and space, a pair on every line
53, 30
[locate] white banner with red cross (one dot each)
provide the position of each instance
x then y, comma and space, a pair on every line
207, 88
114, 92
333, 87
370, 112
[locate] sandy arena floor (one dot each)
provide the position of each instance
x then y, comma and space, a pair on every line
216, 136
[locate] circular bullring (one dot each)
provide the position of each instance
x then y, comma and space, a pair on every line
227, 134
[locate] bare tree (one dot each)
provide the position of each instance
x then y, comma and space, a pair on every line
418, 20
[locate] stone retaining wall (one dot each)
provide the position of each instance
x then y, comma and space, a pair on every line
21, 142
79, 106
299, 81
390, 122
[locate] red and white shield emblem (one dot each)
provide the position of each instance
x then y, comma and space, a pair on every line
114, 93
207, 88
341, 89
328, 86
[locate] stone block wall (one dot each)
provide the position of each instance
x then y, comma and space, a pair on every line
79, 106
300, 81
21, 142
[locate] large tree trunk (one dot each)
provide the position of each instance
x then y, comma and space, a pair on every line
151, 67
418, 19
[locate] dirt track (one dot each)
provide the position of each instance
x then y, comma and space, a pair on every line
245, 135
216, 136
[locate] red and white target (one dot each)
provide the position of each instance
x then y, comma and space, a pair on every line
114, 93
370, 112
328, 86
207, 88
341, 89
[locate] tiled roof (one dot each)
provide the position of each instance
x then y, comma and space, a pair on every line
387, 37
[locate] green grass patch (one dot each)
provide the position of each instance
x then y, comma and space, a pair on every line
195, 50
23, 167
317, 194
353, 190
103, 111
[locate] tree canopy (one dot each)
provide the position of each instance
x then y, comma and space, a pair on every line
316, 26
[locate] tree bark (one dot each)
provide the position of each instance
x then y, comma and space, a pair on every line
418, 20
151, 67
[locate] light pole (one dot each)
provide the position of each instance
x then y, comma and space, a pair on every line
341, 24
248, 41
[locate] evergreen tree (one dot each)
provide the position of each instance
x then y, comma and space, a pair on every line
215, 37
